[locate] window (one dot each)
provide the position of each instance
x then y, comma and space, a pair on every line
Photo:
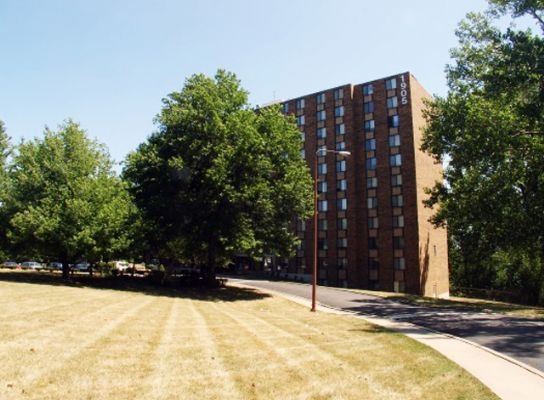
340, 129
320, 98
322, 169
339, 111
342, 243
391, 84
322, 205
398, 242
300, 120
300, 104
399, 263
339, 94
371, 163
303, 154
373, 223
372, 202
397, 201
342, 224
373, 263
322, 224
285, 108
368, 107
340, 146
301, 225
303, 136
322, 187
368, 89
372, 243
395, 160
322, 244
341, 185
398, 221
341, 166
394, 121
342, 262
321, 133
370, 144
392, 102
342, 204
371, 182
370, 126
321, 115
394, 140
396, 180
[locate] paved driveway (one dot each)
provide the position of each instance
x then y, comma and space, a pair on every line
519, 338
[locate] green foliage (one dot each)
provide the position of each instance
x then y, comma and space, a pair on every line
5, 150
65, 202
490, 129
219, 178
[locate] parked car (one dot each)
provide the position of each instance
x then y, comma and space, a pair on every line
55, 266
119, 266
10, 265
31, 265
81, 267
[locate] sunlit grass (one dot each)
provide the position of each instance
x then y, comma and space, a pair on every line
62, 342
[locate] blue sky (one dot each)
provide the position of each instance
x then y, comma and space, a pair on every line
107, 64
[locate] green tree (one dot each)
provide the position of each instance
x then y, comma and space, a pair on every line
5, 149
65, 202
218, 177
490, 129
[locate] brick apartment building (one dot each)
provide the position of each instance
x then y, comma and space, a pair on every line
373, 229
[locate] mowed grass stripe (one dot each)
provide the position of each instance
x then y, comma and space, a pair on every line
68, 314
227, 344
119, 359
47, 353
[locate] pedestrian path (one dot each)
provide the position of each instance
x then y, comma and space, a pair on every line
507, 378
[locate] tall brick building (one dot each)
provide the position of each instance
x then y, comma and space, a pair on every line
373, 229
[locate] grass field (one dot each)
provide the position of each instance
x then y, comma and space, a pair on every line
77, 342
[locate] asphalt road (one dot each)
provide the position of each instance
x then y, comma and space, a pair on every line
519, 338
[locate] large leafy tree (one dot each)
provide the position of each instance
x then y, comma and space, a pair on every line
218, 177
5, 149
65, 201
490, 129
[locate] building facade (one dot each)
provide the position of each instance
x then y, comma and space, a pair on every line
373, 228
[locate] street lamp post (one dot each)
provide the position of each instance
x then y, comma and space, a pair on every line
324, 151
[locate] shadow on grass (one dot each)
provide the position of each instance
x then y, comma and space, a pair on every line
136, 284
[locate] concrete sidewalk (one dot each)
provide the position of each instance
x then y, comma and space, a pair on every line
507, 378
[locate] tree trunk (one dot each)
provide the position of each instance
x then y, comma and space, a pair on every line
212, 262
65, 269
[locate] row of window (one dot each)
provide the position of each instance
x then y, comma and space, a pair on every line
395, 160
341, 224
341, 186
390, 84
341, 205
394, 141
340, 167
399, 263
320, 98
393, 121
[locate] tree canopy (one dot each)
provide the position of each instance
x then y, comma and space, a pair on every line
65, 202
219, 178
490, 130
5, 149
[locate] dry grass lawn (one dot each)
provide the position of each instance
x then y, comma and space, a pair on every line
69, 342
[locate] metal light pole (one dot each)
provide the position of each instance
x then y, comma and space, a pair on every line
324, 151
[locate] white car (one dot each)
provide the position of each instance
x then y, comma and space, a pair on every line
31, 265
